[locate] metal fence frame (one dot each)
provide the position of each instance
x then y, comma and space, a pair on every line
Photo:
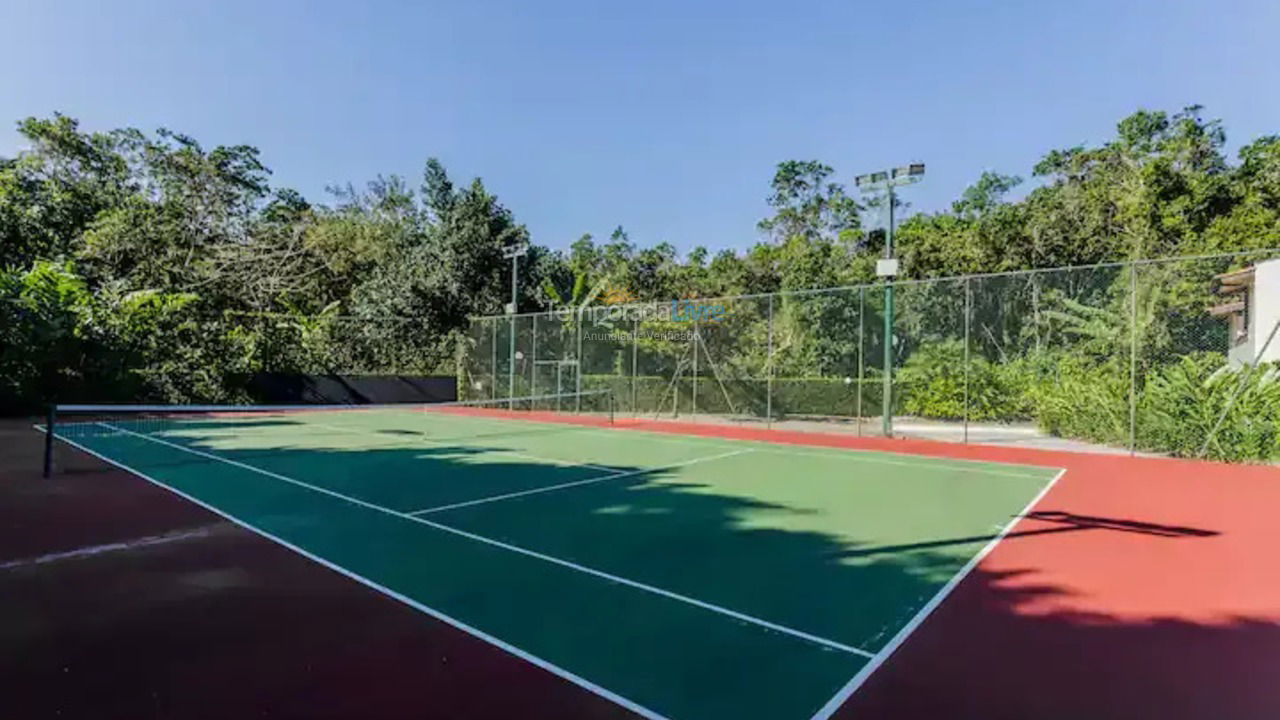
698, 362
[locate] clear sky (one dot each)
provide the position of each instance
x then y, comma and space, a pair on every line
664, 116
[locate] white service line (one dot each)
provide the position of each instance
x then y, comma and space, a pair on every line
494, 451
575, 483
849, 688
477, 633
517, 549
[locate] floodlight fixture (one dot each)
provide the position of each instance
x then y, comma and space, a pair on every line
515, 251
887, 267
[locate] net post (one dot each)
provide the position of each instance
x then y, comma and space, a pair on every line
50, 417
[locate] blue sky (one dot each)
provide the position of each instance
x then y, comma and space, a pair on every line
665, 117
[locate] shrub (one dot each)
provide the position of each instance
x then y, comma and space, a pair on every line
59, 342
1084, 399
42, 340
933, 385
157, 347
791, 396
1182, 404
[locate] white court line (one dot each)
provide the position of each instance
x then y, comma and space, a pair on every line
426, 609
859, 454
832, 705
494, 451
517, 549
575, 483
94, 550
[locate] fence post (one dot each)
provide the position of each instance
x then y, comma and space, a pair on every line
635, 343
1133, 358
862, 351
694, 394
968, 310
577, 399
533, 360
511, 361
768, 372
886, 393
493, 359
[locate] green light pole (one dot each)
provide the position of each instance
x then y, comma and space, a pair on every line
514, 252
887, 268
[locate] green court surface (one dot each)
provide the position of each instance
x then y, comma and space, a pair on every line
679, 576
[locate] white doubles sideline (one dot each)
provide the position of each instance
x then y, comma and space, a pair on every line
503, 645
141, 543
513, 548
986, 467
841, 696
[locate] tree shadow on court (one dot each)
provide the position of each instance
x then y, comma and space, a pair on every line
651, 526
1004, 645
1064, 522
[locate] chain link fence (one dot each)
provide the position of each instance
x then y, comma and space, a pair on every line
1160, 356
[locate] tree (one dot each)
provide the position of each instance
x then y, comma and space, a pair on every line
806, 205
985, 195
180, 267
1145, 194
54, 190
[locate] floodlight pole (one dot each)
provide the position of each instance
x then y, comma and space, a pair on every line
514, 252
888, 268
886, 408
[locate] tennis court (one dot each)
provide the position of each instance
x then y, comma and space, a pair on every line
678, 576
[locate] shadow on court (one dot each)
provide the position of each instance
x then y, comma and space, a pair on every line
230, 624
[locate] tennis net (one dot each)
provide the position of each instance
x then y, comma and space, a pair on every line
544, 412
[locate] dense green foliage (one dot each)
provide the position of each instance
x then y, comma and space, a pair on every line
1184, 403
935, 384
139, 267
145, 266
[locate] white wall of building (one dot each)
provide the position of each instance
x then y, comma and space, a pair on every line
1265, 310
